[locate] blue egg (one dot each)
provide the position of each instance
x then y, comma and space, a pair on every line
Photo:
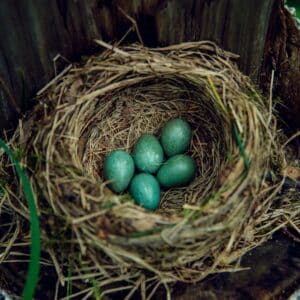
119, 169
145, 191
176, 136
179, 170
148, 153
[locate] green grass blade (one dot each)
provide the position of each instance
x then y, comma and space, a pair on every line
35, 247
241, 147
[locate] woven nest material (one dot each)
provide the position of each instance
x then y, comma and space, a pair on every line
107, 104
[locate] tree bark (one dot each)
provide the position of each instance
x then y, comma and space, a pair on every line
282, 54
33, 32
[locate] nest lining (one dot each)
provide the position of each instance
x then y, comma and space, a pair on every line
107, 104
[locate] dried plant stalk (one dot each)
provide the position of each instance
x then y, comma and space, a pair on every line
106, 104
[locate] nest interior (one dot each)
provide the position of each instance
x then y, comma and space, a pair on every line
121, 118
106, 104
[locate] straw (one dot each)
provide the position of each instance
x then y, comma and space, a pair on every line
106, 104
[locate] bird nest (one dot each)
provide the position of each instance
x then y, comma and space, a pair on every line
106, 104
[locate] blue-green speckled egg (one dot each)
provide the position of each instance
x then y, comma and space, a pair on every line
145, 191
148, 153
178, 170
176, 136
119, 169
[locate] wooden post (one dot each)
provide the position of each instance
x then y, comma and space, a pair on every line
33, 32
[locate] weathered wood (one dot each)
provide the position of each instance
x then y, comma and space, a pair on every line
282, 54
239, 26
273, 273
32, 32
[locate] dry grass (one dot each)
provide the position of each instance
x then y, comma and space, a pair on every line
107, 104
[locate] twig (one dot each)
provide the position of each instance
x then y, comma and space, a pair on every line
290, 139
271, 99
134, 23
110, 47
55, 79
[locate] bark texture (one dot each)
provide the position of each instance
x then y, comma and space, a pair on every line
33, 32
282, 54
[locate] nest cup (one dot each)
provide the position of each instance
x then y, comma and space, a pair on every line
106, 104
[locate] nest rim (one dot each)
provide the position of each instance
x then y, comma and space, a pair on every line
232, 101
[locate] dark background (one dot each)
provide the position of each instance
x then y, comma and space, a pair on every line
33, 32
